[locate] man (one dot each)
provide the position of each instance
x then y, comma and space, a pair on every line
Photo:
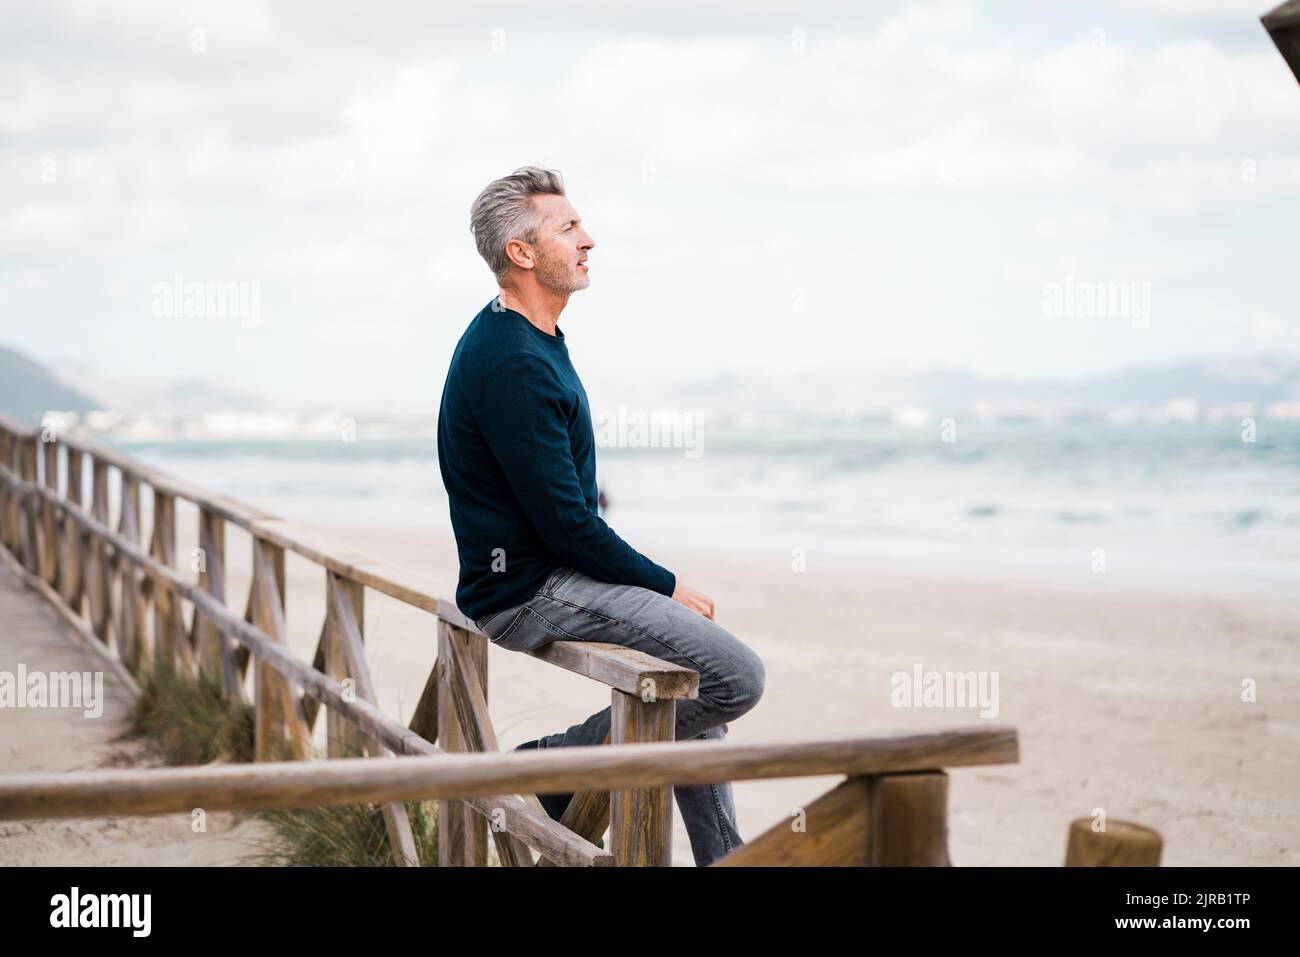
518, 458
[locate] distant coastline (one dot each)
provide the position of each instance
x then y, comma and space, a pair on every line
1173, 495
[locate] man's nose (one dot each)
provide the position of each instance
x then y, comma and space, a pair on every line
587, 241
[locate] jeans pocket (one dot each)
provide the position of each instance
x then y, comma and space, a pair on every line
528, 630
499, 622
557, 578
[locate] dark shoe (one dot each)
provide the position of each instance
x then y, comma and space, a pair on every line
556, 803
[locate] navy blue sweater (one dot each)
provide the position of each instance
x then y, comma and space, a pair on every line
518, 459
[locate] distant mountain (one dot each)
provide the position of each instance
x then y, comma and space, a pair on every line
28, 389
1260, 380
195, 397
187, 398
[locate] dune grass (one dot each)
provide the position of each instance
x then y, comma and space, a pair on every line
187, 722
343, 836
190, 722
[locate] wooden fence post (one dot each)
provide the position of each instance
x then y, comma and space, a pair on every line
49, 518
462, 833
215, 649
99, 581
343, 739
7, 524
909, 820
280, 728
170, 640
641, 819
73, 565
28, 506
344, 597
1121, 844
132, 624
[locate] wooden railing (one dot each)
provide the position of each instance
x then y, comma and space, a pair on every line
891, 808
126, 600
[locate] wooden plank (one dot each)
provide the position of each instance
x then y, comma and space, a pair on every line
425, 720
242, 654
311, 705
345, 599
641, 819
623, 669
103, 793
832, 831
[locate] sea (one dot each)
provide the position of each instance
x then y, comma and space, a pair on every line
1187, 498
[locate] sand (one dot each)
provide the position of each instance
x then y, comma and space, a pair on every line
1126, 689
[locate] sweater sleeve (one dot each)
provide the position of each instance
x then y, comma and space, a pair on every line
522, 415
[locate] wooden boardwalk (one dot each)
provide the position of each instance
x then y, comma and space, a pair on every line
33, 636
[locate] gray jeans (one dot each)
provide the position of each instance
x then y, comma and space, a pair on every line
570, 606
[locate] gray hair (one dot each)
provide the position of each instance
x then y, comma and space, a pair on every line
504, 211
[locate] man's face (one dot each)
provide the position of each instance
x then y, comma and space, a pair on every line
561, 247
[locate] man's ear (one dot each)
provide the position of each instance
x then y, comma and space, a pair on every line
520, 253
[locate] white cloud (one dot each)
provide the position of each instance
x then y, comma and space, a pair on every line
897, 163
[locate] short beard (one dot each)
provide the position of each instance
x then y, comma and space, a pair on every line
552, 275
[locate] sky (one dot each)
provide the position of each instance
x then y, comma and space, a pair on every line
773, 188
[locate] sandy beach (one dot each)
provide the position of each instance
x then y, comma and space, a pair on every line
1126, 690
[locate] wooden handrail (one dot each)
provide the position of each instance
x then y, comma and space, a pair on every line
462, 776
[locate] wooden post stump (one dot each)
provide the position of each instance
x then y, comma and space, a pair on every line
1121, 844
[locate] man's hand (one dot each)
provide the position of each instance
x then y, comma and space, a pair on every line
694, 600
